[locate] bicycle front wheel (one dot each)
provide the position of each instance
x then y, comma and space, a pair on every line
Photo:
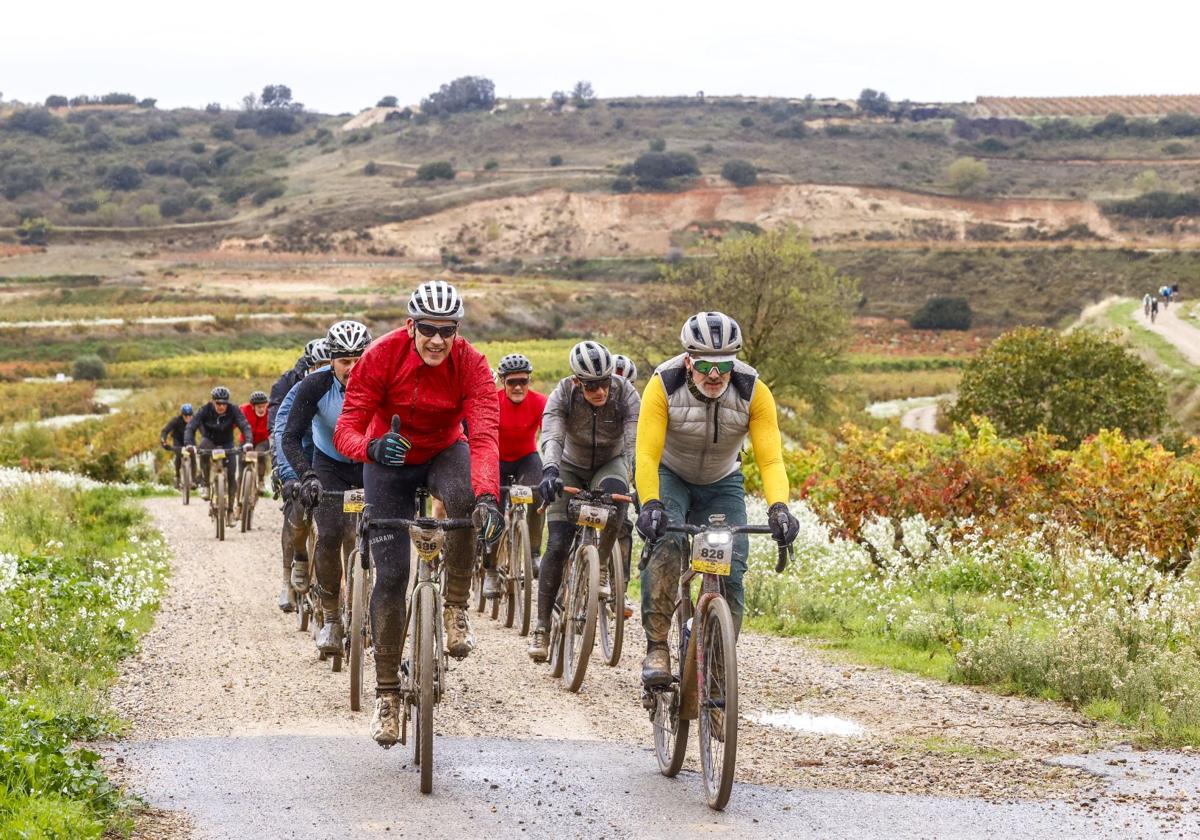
185, 478
718, 702
249, 488
219, 495
423, 659
356, 583
612, 608
579, 616
521, 568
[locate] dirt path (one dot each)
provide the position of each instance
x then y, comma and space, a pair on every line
1174, 329
236, 723
921, 419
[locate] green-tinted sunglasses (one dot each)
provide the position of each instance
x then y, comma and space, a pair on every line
706, 367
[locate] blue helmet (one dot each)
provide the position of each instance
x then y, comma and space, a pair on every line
186, 408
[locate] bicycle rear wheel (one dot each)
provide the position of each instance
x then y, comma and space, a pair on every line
718, 702
423, 659
671, 730
612, 608
219, 495
579, 616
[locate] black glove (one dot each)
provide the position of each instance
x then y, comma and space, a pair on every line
652, 521
487, 519
784, 526
551, 485
391, 450
310, 489
164, 444
289, 489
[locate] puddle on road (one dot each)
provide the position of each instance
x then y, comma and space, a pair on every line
813, 724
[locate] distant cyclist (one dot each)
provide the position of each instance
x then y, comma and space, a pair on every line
520, 420
1153, 311
588, 435
1146, 300
698, 408
255, 412
215, 421
294, 538
427, 379
316, 405
174, 430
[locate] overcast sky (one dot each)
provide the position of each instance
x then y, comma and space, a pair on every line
342, 56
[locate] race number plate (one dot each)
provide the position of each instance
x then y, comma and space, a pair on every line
250, 456
353, 501
218, 454
712, 557
519, 494
427, 541
593, 516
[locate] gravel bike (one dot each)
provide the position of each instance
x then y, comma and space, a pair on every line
704, 684
423, 671
576, 608
219, 508
187, 475
248, 489
515, 558
356, 589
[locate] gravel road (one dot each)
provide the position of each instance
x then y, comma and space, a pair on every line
237, 729
1174, 329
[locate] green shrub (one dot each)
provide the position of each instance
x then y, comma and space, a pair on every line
942, 313
198, 148
556, 160
267, 193
222, 131
491, 165
746, 122
89, 367
172, 206
435, 170
657, 170
658, 144
622, 185
34, 231
372, 168
740, 173
123, 177
1156, 205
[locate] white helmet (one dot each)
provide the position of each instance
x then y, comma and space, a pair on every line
623, 366
436, 300
591, 360
316, 352
347, 338
711, 334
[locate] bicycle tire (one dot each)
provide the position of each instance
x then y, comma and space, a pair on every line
670, 743
425, 678
247, 495
477, 579
580, 617
185, 477
219, 479
718, 692
556, 646
358, 631
612, 609
523, 594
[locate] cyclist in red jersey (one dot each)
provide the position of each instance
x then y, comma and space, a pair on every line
260, 427
520, 420
425, 379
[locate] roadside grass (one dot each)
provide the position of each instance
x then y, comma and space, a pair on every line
1040, 615
80, 576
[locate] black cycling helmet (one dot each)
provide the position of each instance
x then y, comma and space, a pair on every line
258, 398
220, 394
514, 363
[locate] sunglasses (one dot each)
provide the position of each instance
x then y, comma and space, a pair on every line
593, 385
516, 383
429, 330
706, 367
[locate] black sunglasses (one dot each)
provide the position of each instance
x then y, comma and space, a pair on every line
516, 383
595, 384
429, 330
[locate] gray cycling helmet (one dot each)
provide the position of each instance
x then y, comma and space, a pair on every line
624, 367
514, 363
316, 352
435, 300
220, 394
712, 334
258, 398
347, 338
591, 360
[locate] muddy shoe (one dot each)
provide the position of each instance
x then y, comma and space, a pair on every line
605, 590
331, 639
539, 645
628, 608
459, 640
287, 602
491, 583
300, 575
656, 668
385, 723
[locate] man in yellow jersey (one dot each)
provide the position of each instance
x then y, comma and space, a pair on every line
696, 412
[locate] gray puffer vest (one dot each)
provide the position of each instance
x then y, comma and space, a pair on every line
587, 436
705, 437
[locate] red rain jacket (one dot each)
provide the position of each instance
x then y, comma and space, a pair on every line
259, 426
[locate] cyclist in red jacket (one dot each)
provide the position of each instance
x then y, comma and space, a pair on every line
521, 410
260, 428
428, 380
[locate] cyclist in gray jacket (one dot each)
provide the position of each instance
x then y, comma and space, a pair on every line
589, 430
